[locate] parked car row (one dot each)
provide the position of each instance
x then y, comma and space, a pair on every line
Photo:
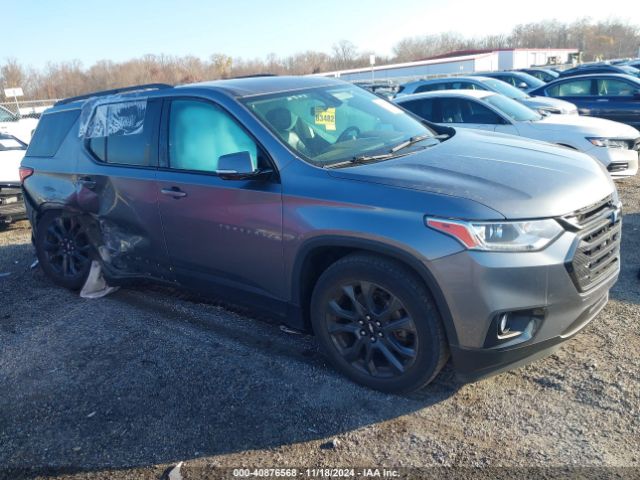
612, 98
477, 82
397, 241
614, 144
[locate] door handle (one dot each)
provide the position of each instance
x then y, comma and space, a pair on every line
174, 192
87, 182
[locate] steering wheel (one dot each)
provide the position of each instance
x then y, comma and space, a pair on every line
349, 133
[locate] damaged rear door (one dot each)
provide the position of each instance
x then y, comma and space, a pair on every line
222, 235
116, 186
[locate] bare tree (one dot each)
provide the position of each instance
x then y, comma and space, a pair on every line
603, 39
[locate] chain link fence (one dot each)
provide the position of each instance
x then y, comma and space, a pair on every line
10, 110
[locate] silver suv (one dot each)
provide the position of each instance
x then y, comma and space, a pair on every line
398, 243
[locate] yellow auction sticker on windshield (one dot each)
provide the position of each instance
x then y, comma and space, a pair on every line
326, 117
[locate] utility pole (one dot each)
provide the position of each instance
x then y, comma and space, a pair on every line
372, 62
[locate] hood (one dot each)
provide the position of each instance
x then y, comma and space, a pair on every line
517, 177
548, 102
10, 166
587, 126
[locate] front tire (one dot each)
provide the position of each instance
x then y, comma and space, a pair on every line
376, 322
63, 249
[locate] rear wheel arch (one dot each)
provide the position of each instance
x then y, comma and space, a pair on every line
318, 254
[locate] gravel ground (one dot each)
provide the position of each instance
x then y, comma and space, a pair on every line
130, 385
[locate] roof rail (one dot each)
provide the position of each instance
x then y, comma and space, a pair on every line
134, 88
254, 75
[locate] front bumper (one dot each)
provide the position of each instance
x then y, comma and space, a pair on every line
479, 287
619, 162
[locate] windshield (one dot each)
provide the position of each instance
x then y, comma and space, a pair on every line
332, 124
504, 88
514, 110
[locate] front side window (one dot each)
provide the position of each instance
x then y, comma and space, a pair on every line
336, 123
123, 133
460, 110
609, 87
506, 78
571, 89
422, 108
200, 133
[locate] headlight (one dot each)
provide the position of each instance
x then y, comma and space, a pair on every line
527, 236
609, 142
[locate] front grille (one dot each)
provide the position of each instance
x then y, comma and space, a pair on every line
617, 166
597, 255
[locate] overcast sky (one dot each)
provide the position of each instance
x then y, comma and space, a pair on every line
38, 31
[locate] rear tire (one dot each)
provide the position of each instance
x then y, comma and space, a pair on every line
376, 322
63, 249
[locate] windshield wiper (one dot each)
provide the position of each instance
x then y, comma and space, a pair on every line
417, 139
361, 159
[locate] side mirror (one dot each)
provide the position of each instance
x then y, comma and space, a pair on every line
237, 166
523, 86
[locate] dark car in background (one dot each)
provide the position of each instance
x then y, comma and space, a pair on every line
544, 74
520, 80
611, 96
600, 68
472, 82
395, 241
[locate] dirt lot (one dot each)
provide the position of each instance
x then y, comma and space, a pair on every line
130, 385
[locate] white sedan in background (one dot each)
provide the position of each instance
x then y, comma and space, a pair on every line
12, 151
614, 144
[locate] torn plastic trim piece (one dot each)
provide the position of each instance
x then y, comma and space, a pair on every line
115, 91
96, 286
110, 117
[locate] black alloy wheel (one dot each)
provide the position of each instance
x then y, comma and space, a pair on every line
63, 249
371, 329
377, 323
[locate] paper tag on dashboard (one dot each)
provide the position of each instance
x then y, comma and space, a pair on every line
326, 117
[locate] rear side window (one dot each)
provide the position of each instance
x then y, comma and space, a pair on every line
461, 86
124, 133
430, 87
51, 132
